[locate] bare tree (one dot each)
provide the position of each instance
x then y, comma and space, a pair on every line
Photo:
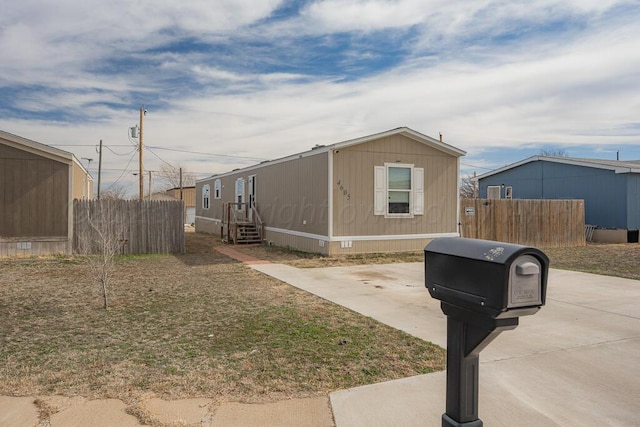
99, 244
172, 175
114, 192
553, 152
467, 187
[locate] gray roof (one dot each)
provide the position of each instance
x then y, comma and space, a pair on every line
619, 166
410, 133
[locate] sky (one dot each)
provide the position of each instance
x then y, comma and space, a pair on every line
229, 83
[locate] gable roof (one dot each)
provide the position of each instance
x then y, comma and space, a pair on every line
40, 149
618, 166
405, 131
36, 147
318, 149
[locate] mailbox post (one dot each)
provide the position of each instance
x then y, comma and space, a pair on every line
483, 288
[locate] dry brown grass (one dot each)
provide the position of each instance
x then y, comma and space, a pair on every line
621, 260
194, 325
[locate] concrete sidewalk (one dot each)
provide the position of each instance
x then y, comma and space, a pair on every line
575, 363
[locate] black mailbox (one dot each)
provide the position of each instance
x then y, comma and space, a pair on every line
483, 288
497, 279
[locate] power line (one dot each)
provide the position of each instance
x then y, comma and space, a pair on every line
166, 149
118, 154
477, 167
123, 172
207, 154
87, 145
160, 158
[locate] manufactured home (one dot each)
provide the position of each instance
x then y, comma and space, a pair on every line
37, 186
389, 192
610, 190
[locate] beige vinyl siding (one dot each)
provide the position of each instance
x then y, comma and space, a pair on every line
301, 243
188, 195
215, 205
204, 225
353, 189
34, 195
293, 195
378, 246
82, 184
38, 247
290, 195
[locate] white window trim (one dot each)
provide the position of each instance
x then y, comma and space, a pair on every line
493, 191
206, 195
381, 191
242, 194
217, 189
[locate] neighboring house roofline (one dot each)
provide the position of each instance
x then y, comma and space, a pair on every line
406, 132
618, 166
43, 150
162, 196
37, 148
79, 163
320, 149
186, 187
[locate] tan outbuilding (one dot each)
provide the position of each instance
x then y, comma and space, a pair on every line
389, 192
38, 184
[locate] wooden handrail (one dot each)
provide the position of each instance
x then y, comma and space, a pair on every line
233, 217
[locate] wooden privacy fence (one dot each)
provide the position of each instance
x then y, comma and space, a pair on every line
543, 223
135, 226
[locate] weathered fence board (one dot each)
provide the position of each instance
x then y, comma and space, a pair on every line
543, 223
139, 227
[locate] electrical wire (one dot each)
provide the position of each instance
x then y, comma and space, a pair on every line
166, 149
477, 167
125, 170
161, 159
206, 154
118, 154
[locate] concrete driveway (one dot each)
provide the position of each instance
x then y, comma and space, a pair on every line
576, 363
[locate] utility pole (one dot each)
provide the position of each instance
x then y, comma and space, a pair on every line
475, 186
99, 168
149, 185
141, 176
184, 208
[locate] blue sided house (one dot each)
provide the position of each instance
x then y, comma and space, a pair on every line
610, 188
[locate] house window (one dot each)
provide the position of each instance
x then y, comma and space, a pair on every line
399, 190
240, 193
508, 192
206, 191
217, 189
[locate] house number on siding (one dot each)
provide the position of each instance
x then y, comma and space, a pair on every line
345, 192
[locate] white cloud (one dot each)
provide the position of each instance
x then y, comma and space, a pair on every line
211, 73
43, 38
349, 15
581, 89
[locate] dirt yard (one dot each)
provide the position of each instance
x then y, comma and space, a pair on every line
192, 325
